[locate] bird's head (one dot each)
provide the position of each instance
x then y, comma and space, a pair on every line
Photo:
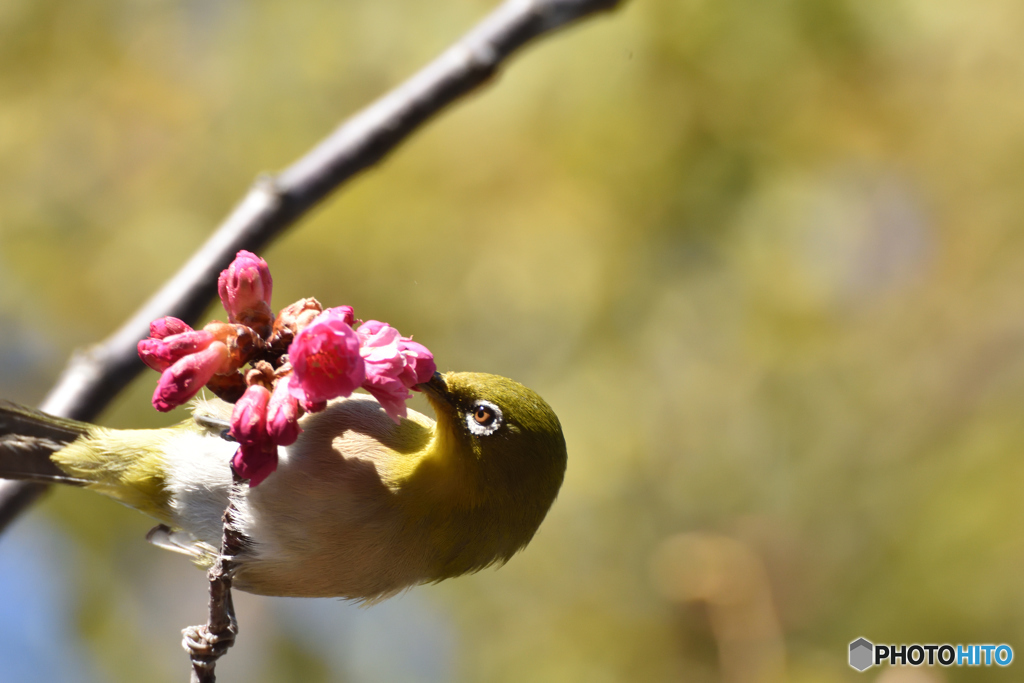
503, 445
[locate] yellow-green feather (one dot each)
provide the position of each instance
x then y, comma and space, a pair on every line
126, 465
481, 499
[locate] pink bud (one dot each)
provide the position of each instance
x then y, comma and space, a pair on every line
283, 415
166, 326
183, 380
255, 462
249, 419
325, 360
245, 288
160, 354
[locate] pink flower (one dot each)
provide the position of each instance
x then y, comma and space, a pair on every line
245, 288
166, 326
283, 415
346, 313
255, 462
419, 363
249, 419
182, 380
384, 366
162, 353
325, 359
394, 364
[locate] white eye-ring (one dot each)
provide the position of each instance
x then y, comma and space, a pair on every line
484, 419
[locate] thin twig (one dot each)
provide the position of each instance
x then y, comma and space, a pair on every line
209, 642
95, 375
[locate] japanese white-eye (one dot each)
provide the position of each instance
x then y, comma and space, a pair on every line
360, 507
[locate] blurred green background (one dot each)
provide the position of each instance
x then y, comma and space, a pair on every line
764, 258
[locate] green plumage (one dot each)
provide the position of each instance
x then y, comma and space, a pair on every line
127, 465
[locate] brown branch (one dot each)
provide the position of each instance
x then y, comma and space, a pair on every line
209, 642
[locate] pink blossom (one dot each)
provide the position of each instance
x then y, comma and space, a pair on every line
419, 363
346, 313
255, 462
417, 359
384, 366
376, 333
283, 415
249, 419
183, 380
394, 364
389, 391
166, 326
245, 288
162, 353
325, 359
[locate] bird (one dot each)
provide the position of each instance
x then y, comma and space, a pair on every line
360, 507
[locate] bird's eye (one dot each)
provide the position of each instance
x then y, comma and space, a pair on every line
484, 419
483, 415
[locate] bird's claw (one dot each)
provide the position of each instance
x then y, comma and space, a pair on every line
202, 645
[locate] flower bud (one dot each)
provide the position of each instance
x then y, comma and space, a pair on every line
245, 288
160, 354
249, 419
166, 326
283, 415
183, 380
254, 462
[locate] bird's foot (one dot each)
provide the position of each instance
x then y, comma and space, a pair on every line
204, 645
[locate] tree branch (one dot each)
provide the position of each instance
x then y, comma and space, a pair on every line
95, 375
209, 642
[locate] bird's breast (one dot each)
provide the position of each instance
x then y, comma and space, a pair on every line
330, 521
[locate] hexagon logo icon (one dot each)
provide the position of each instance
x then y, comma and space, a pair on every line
861, 654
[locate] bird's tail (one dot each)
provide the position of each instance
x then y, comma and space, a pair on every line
27, 439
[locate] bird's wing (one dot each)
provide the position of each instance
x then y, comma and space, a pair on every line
163, 536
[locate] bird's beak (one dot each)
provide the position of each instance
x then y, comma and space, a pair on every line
436, 388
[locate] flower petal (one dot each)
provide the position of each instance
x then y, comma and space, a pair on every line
419, 363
